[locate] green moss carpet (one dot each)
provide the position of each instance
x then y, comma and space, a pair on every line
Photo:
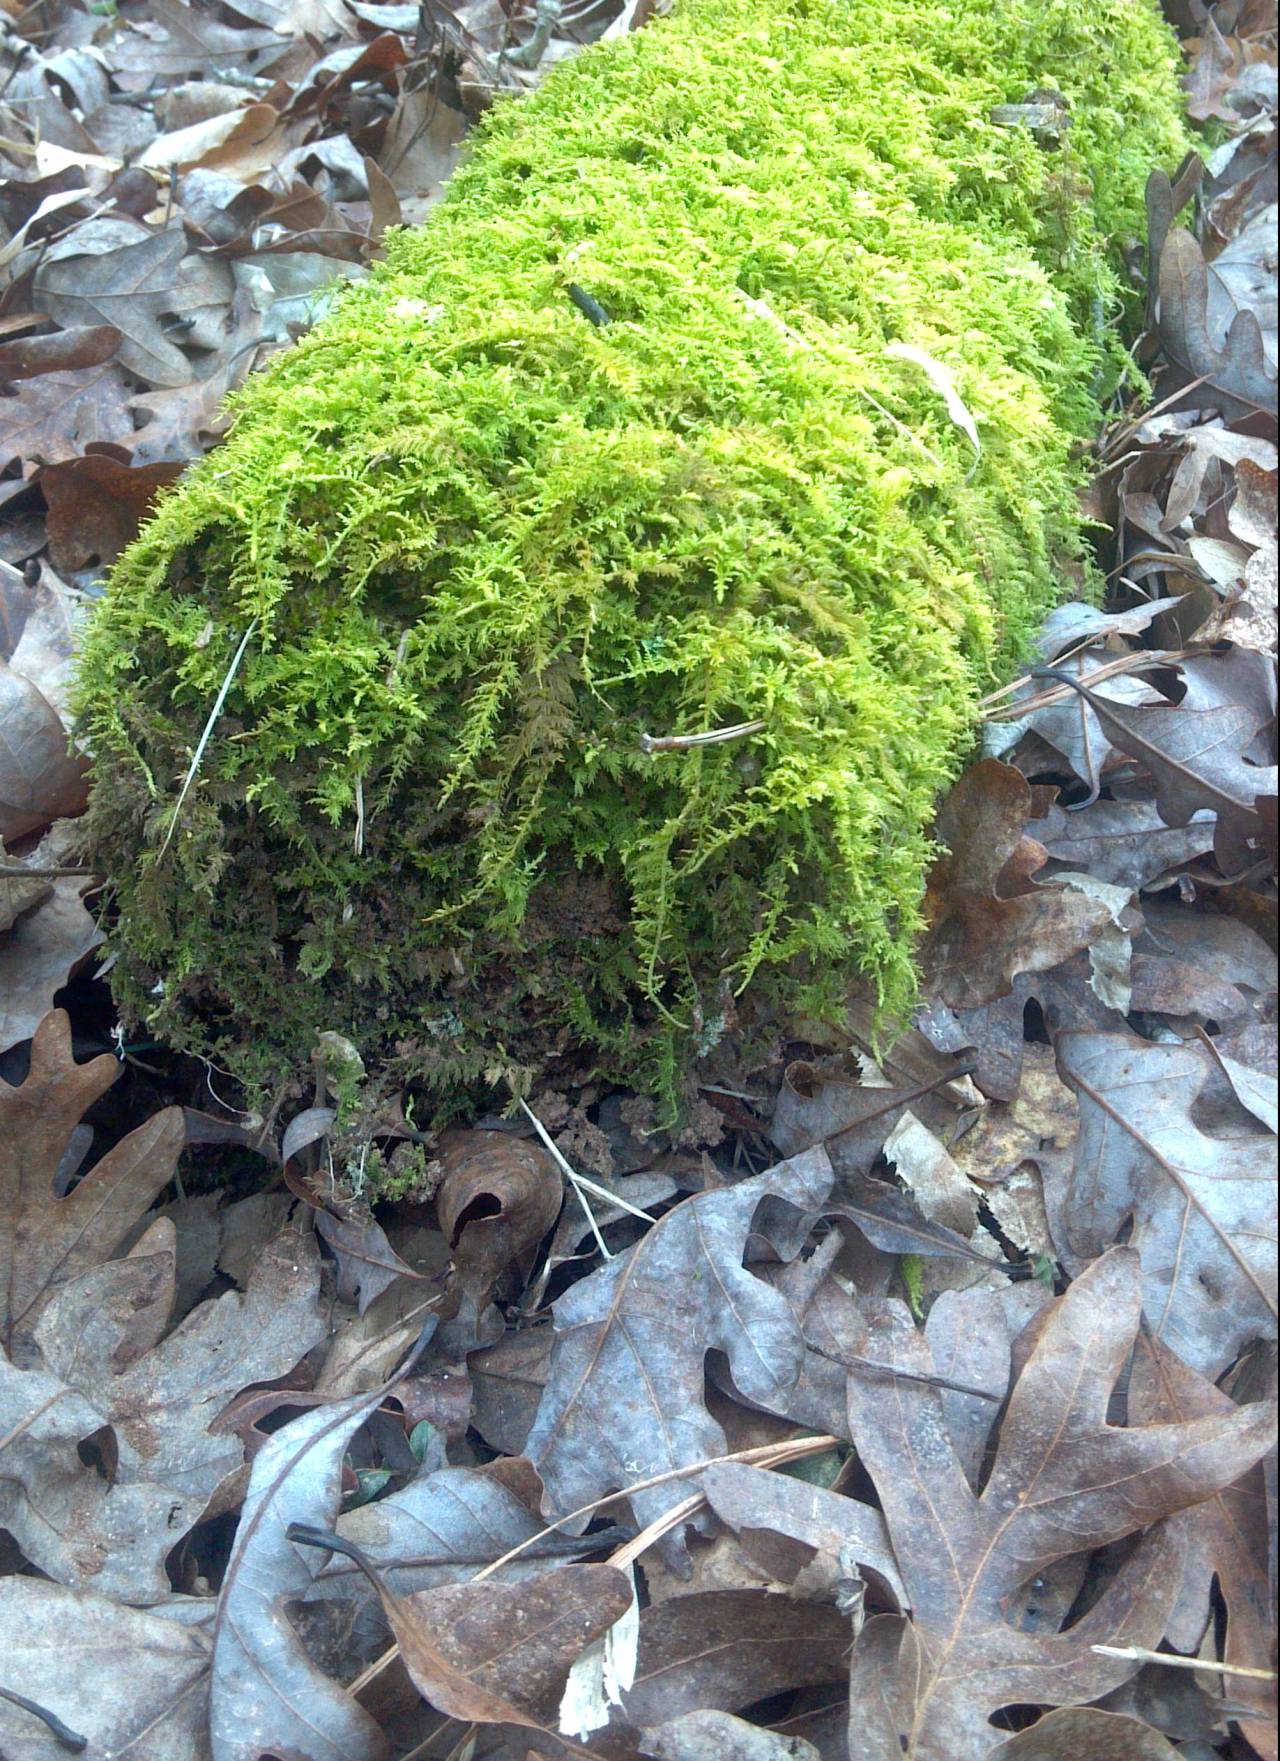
481, 544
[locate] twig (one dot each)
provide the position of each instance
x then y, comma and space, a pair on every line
209, 726
683, 742
62, 1733
7, 873
766, 1454
1138, 660
1139, 1654
613, 1198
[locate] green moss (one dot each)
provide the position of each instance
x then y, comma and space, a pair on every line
484, 546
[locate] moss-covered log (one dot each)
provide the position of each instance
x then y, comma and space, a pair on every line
481, 543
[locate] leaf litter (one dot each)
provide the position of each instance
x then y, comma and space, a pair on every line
913, 1372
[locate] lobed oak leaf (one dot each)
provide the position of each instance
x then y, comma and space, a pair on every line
625, 1397
990, 921
1063, 1482
1202, 1203
46, 1239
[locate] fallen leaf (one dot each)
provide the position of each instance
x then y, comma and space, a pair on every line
1202, 1206
42, 947
786, 1525
66, 351
1234, 371
131, 1682
41, 778
1195, 760
77, 1525
57, 415
1125, 843
161, 1393
981, 938
1064, 1481
971, 1335
1227, 1542
367, 1262
173, 40
96, 505
724, 1650
46, 1240
625, 1396
929, 1173
266, 1694
719, 1736
497, 1198
1071, 1732
851, 1119
129, 287
1072, 728
500, 1653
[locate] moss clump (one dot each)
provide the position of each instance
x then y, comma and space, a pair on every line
482, 545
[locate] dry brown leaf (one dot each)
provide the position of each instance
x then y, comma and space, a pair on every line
500, 1653
65, 351
497, 1198
1226, 1541
41, 779
989, 921
57, 415
96, 505
1063, 1482
46, 1240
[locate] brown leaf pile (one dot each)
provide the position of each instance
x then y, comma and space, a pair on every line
916, 1399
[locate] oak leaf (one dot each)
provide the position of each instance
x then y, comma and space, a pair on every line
1063, 1482
46, 1239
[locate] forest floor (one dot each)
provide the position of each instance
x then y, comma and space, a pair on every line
965, 1352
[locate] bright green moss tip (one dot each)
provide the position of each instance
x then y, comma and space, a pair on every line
484, 546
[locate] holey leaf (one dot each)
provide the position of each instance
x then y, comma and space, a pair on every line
625, 1397
1202, 1202
1064, 1482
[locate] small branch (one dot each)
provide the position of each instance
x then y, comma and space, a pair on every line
7, 873
684, 742
1139, 1654
209, 726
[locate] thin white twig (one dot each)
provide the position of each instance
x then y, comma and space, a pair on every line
578, 1193
209, 726
581, 1185
685, 742
1139, 1654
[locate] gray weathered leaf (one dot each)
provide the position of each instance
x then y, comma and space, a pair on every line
128, 287
762, 1506
1202, 1206
719, 1736
267, 1696
73, 1523
132, 1683
162, 1393
625, 1396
